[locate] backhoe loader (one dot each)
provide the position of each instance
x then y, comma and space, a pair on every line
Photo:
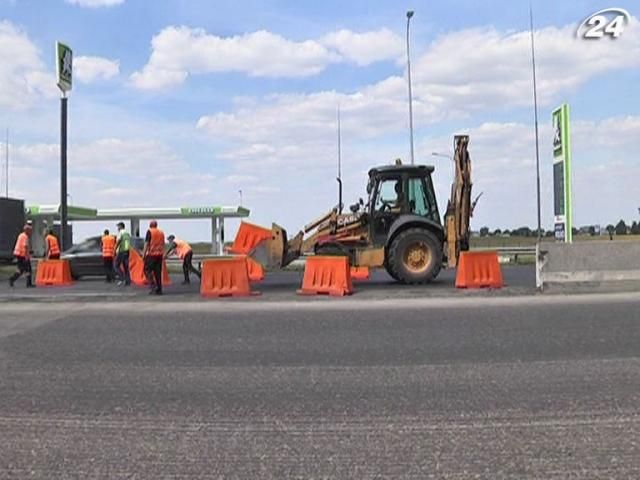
398, 228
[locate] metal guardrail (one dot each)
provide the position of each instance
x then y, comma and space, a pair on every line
528, 250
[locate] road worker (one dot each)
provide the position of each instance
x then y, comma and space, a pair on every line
185, 253
123, 244
52, 246
153, 255
22, 252
108, 252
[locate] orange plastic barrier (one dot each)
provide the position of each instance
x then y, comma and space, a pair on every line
136, 270
360, 273
255, 270
327, 275
248, 237
225, 277
53, 273
479, 270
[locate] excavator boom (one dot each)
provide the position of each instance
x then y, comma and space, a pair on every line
459, 208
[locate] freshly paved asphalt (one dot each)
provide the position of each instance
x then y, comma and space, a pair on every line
456, 388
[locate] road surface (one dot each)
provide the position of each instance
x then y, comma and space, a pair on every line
454, 388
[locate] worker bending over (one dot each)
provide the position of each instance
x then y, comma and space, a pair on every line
52, 246
153, 255
108, 252
22, 252
185, 253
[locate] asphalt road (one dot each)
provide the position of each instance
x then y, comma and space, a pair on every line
456, 388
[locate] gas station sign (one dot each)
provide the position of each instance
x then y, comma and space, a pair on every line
563, 215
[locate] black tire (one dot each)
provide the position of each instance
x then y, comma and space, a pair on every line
414, 256
391, 273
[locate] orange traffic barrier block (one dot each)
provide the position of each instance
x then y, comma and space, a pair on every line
248, 237
479, 270
136, 270
225, 277
360, 273
327, 275
53, 273
255, 270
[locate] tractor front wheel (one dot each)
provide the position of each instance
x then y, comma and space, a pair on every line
414, 256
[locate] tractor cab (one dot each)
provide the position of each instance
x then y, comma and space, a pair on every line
400, 194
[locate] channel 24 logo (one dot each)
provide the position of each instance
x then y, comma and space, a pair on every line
609, 22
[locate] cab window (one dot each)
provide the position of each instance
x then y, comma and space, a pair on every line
421, 199
390, 195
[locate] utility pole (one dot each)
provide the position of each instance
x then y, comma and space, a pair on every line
6, 158
409, 15
64, 76
63, 172
339, 178
535, 114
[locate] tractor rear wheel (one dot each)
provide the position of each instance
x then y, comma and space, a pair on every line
414, 256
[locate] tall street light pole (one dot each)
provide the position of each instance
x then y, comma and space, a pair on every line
409, 15
535, 115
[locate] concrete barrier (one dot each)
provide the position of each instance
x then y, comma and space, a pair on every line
593, 261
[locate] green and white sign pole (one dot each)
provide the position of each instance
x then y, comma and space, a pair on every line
563, 214
64, 74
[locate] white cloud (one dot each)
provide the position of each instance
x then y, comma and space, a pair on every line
480, 68
89, 69
365, 48
459, 75
23, 76
178, 52
503, 163
135, 165
95, 3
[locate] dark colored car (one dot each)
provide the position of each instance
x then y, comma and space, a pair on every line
85, 258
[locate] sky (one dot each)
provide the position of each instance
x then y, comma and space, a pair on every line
180, 103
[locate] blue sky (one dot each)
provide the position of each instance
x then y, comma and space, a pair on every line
185, 103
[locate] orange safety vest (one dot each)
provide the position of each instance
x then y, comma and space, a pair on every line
156, 245
108, 246
22, 246
182, 248
52, 245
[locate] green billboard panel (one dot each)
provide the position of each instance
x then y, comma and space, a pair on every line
64, 66
563, 215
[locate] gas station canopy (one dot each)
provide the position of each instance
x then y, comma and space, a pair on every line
50, 213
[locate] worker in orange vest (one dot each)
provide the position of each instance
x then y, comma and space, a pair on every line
22, 252
52, 246
185, 253
108, 252
153, 255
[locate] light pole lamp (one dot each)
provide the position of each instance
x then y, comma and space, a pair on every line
445, 155
409, 15
448, 156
